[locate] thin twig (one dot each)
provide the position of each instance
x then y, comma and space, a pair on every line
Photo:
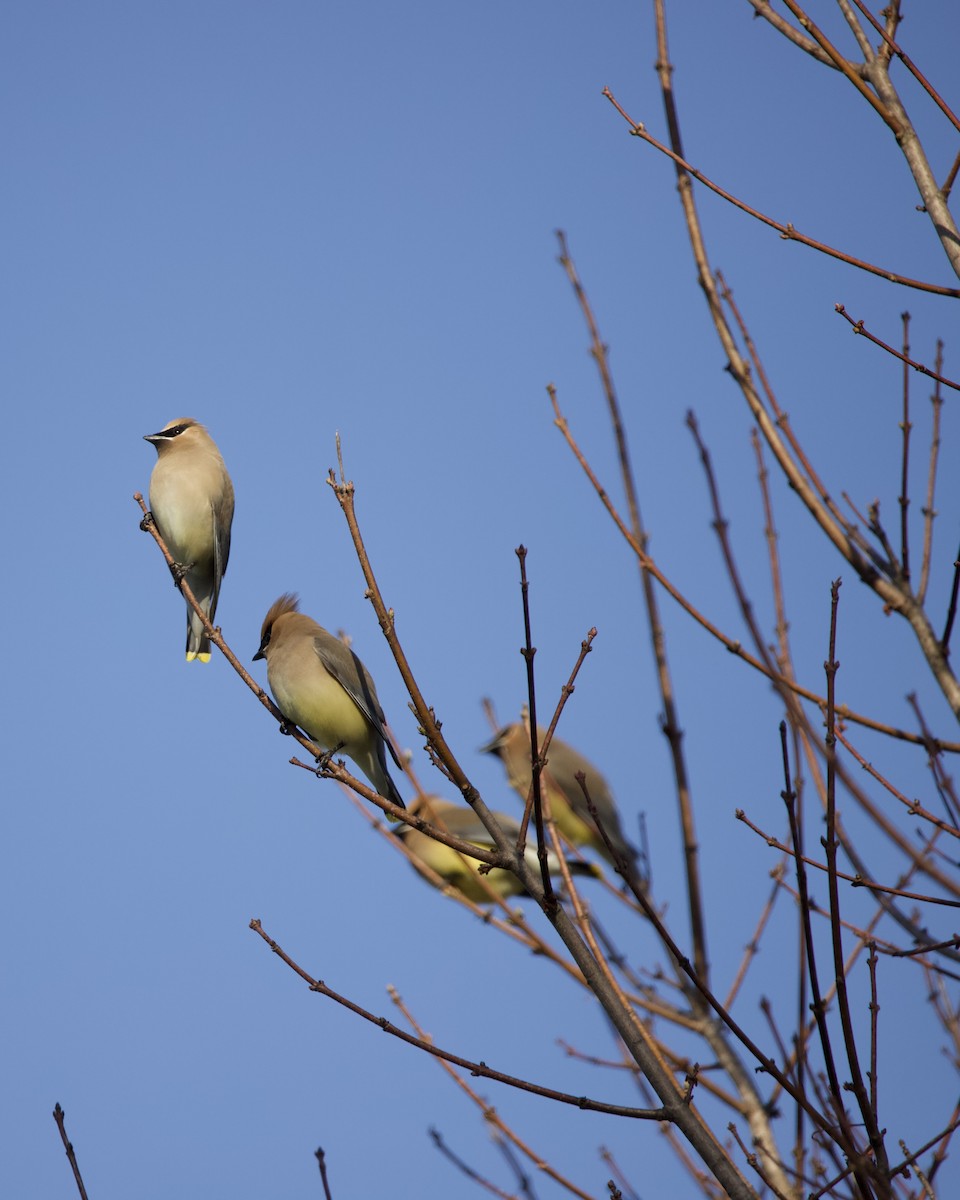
951, 607
845, 67
911, 66
943, 782
782, 420
670, 724
787, 231
855, 880
752, 947
322, 1163
475, 1068
536, 765
789, 797
733, 645
58, 1116
490, 1114
464, 1168
859, 328
928, 510
913, 806
874, 1133
905, 457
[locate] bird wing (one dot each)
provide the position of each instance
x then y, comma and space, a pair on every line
222, 520
340, 661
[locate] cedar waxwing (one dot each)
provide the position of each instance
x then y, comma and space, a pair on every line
191, 499
567, 804
461, 871
321, 685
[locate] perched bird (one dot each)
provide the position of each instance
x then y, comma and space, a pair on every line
511, 745
461, 871
191, 499
321, 685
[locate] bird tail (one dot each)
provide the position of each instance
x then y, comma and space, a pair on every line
198, 644
380, 777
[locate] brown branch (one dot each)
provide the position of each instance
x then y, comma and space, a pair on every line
914, 807
490, 1114
475, 1068
951, 607
905, 457
721, 528
428, 724
765, 9
787, 231
464, 1168
895, 598
536, 763
766, 1063
752, 947
753, 1162
868, 1113
844, 66
951, 178
952, 943
874, 1027
322, 1164
859, 328
58, 1116
943, 782
670, 725
783, 423
854, 880
845, 1135
911, 66
928, 510
733, 645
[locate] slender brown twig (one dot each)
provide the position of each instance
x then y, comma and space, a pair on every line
753, 1161
789, 796
58, 1116
943, 782
475, 1068
670, 724
465, 1169
860, 329
536, 765
874, 1133
787, 231
928, 510
490, 1114
913, 806
905, 427
910, 65
733, 645
845, 67
783, 422
855, 880
322, 1164
951, 607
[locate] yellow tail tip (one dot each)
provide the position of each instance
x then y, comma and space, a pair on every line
192, 654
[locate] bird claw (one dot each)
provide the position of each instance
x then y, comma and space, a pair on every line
147, 521
179, 571
323, 760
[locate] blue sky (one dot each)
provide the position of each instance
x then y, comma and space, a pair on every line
293, 220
